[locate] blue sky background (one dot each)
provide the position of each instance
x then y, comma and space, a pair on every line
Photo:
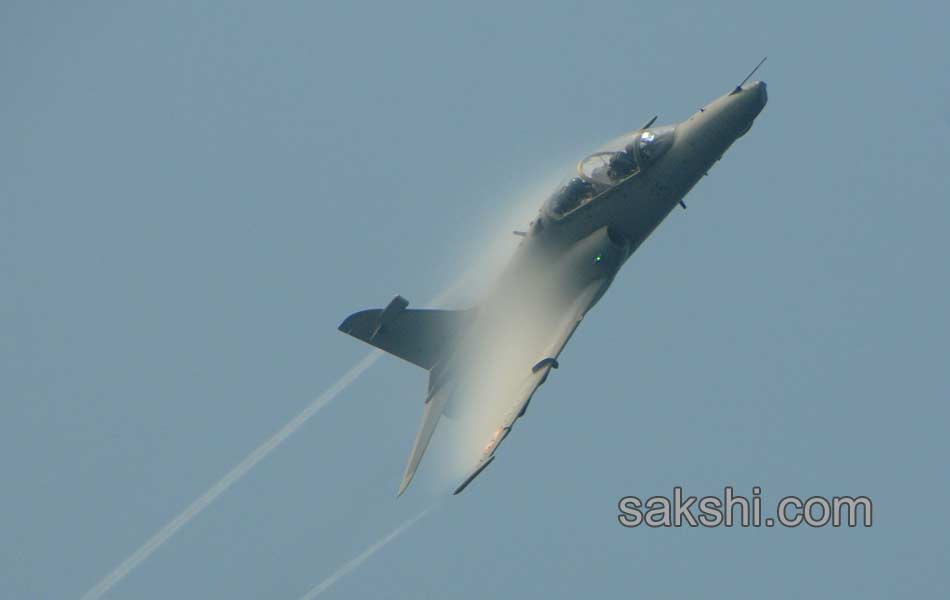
193, 195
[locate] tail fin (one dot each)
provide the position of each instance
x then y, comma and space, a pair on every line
420, 336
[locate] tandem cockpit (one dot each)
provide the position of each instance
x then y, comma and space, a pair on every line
605, 170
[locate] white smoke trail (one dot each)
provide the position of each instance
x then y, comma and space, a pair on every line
232, 477
242, 468
363, 556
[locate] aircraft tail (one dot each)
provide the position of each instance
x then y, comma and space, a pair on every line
423, 337
420, 336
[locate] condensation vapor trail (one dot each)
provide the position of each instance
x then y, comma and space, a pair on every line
241, 469
364, 556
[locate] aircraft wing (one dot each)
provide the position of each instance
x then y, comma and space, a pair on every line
547, 360
431, 414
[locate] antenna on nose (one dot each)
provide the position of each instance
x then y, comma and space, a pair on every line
748, 77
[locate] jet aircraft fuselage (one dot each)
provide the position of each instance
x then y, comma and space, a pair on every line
567, 259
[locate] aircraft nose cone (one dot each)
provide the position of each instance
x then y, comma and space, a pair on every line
755, 89
760, 88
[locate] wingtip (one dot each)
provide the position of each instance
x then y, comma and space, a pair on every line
404, 485
347, 325
475, 473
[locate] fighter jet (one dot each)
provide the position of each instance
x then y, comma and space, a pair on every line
566, 259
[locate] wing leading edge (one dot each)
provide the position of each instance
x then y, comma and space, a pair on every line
539, 374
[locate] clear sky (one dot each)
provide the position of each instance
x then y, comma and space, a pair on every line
194, 195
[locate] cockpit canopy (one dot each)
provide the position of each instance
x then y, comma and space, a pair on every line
605, 170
